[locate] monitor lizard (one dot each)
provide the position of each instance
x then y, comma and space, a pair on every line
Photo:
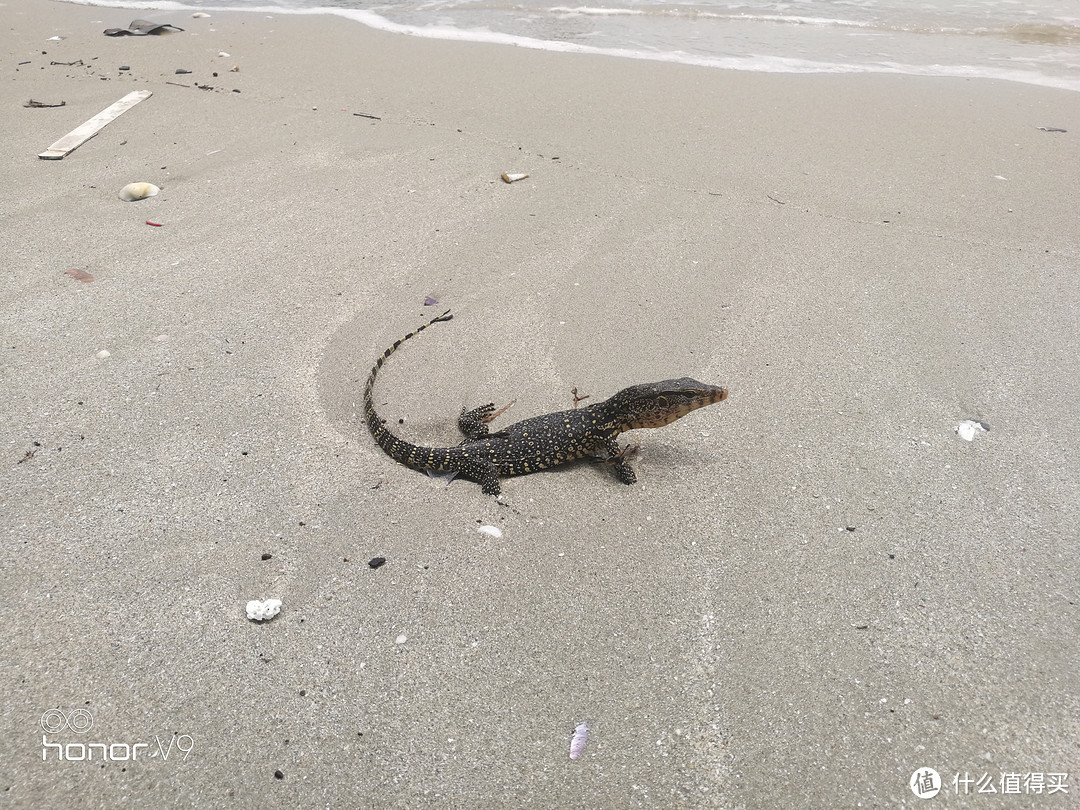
542, 441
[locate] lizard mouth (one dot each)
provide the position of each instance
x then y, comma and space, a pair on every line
669, 406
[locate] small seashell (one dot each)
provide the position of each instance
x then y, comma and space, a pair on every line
138, 191
103, 354
968, 429
222, 54
234, 69
513, 177
200, 15
490, 531
401, 639
577, 742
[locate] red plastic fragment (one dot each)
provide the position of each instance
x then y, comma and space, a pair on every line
155, 224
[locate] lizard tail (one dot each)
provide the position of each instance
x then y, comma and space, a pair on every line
396, 448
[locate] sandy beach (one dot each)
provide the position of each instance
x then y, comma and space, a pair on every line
816, 589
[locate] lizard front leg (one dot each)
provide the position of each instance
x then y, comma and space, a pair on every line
619, 459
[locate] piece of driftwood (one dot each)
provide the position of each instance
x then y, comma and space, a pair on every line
81, 134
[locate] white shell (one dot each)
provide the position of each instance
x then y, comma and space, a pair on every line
102, 354
490, 531
577, 742
200, 15
513, 177
969, 428
138, 191
261, 611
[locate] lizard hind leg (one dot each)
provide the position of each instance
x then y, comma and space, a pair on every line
474, 423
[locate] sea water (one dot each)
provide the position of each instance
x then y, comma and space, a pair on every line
1031, 41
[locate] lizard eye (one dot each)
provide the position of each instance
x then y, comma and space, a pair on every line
662, 402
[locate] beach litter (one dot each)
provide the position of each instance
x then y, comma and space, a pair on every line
133, 192
142, 28
513, 177
263, 611
84, 132
577, 742
79, 275
969, 429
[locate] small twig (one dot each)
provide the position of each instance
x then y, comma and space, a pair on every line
627, 452
499, 412
30, 453
32, 103
578, 399
366, 115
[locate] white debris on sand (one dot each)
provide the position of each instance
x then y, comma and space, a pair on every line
969, 428
263, 611
577, 742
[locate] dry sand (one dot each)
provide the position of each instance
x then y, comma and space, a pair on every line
816, 588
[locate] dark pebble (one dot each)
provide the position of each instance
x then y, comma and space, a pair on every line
181, 71
377, 562
279, 775
267, 556
125, 67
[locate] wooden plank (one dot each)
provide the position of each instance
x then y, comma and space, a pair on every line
81, 134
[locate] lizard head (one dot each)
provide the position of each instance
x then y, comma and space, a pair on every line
654, 405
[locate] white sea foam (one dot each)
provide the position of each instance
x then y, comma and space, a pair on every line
733, 38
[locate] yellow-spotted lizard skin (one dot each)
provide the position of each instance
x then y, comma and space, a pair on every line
543, 441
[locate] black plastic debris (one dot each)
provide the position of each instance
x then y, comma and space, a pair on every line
141, 28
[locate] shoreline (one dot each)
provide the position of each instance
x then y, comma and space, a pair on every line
752, 64
865, 262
